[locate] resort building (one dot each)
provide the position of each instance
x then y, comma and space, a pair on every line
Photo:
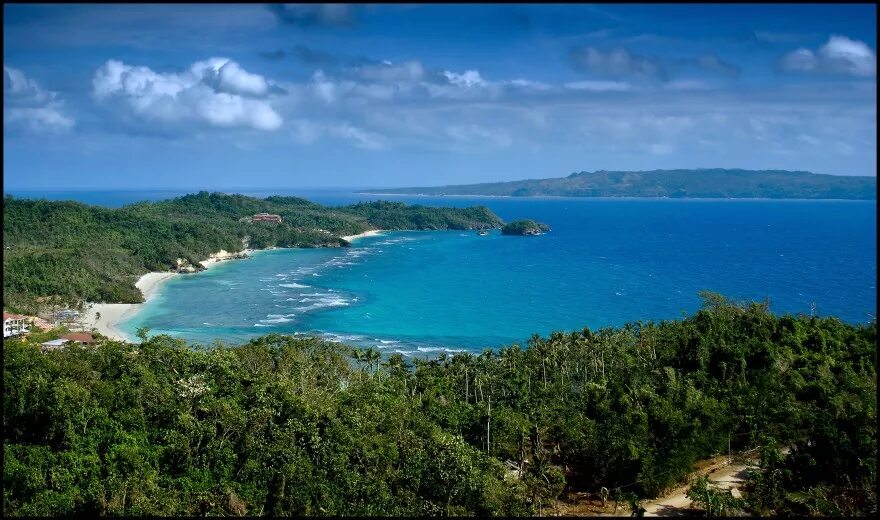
41, 324
266, 217
14, 325
83, 338
54, 344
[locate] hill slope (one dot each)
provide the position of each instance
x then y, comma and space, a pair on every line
701, 183
73, 251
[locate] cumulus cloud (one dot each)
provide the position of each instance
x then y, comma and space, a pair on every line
840, 55
217, 92
468, 79
27, 104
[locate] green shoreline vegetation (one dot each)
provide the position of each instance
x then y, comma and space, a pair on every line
68, 252
525, 227
291, 426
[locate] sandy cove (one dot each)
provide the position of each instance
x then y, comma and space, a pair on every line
112, 314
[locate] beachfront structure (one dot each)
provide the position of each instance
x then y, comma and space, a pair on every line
266, 217
54, 344
41, 324
14, 325
83, 338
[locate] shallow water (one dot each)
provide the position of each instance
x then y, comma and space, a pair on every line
605, 262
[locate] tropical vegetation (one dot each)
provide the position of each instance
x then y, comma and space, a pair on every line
524, 227
291, 426
69, 252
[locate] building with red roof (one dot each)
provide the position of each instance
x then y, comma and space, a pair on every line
14, 325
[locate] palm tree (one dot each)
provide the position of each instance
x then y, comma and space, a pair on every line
373, 356
358, 356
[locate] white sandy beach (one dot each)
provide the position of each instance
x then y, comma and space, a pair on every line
112, 314
370, 233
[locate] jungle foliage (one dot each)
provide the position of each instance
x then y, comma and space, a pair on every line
284, 426
78, 252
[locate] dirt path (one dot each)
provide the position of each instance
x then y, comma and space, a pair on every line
722, 476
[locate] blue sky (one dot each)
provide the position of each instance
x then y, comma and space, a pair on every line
339, 95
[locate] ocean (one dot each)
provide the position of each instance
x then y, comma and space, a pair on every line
605, 262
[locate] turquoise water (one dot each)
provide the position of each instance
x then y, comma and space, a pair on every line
605, 262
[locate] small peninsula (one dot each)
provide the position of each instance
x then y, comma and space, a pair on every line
525, 227
65, 252
715, 183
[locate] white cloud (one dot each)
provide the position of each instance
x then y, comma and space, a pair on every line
839, 55
307, 132
801, 60
216, 92
27, 104
468, 79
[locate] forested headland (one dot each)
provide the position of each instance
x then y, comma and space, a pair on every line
72, 252
697, 183
289, 426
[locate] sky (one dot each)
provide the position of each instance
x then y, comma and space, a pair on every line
357, 95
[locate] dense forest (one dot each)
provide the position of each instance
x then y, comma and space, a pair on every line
77, 252
289, 426
699, 183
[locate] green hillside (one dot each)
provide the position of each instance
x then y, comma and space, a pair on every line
701, 183
77, 252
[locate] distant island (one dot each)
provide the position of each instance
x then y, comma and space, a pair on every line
65, 252
525, 227
712, 183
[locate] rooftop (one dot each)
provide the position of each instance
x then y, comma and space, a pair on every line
79, 337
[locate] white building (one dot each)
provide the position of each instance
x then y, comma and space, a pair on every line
14, 325
54, 344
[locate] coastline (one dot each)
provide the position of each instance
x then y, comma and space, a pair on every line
112, 314
370, 233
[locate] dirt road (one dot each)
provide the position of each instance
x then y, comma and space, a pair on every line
724, 477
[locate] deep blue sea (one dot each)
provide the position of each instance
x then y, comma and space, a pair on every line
605, 262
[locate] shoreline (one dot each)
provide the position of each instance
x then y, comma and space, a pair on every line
370, 233
112, 314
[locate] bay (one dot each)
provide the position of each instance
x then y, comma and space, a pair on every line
605, 262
